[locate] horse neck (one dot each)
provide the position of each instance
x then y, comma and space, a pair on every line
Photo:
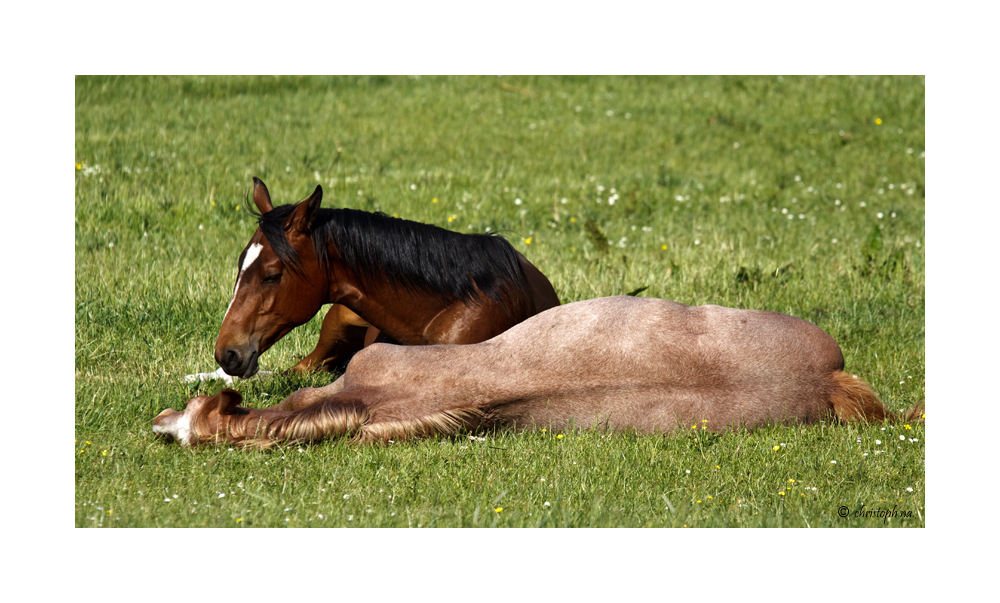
393, 309
399, 313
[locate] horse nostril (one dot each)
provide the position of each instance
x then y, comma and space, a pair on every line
231, 361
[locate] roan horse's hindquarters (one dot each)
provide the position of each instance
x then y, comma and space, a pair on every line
618, 363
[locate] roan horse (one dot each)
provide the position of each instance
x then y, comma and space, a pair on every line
611, 363
400, 281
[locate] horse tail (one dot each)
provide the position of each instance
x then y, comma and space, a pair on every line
914, 414
853, 401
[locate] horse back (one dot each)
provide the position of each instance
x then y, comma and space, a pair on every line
543, 295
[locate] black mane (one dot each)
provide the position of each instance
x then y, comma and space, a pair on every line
414, 256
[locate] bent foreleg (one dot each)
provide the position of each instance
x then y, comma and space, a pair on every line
342, 334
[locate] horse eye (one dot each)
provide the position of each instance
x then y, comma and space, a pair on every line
274, 278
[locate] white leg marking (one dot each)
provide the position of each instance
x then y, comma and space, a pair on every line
218, 374
248, 259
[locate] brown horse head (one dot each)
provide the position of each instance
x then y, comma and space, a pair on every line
271, 297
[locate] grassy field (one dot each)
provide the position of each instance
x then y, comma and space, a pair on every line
802, 195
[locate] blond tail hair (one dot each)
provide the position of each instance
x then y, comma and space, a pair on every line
854, 401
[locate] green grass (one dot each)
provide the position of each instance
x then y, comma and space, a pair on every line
160, 223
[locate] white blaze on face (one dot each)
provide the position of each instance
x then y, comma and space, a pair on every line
248, 259
179, 428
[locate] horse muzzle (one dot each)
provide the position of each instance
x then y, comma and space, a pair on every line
238, 363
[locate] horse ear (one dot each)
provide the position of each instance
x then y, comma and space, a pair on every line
229, 400
261, 198
302, 217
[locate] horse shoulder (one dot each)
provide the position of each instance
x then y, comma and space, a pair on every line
459, 323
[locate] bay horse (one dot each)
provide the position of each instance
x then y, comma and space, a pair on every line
612, 363
389, 280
